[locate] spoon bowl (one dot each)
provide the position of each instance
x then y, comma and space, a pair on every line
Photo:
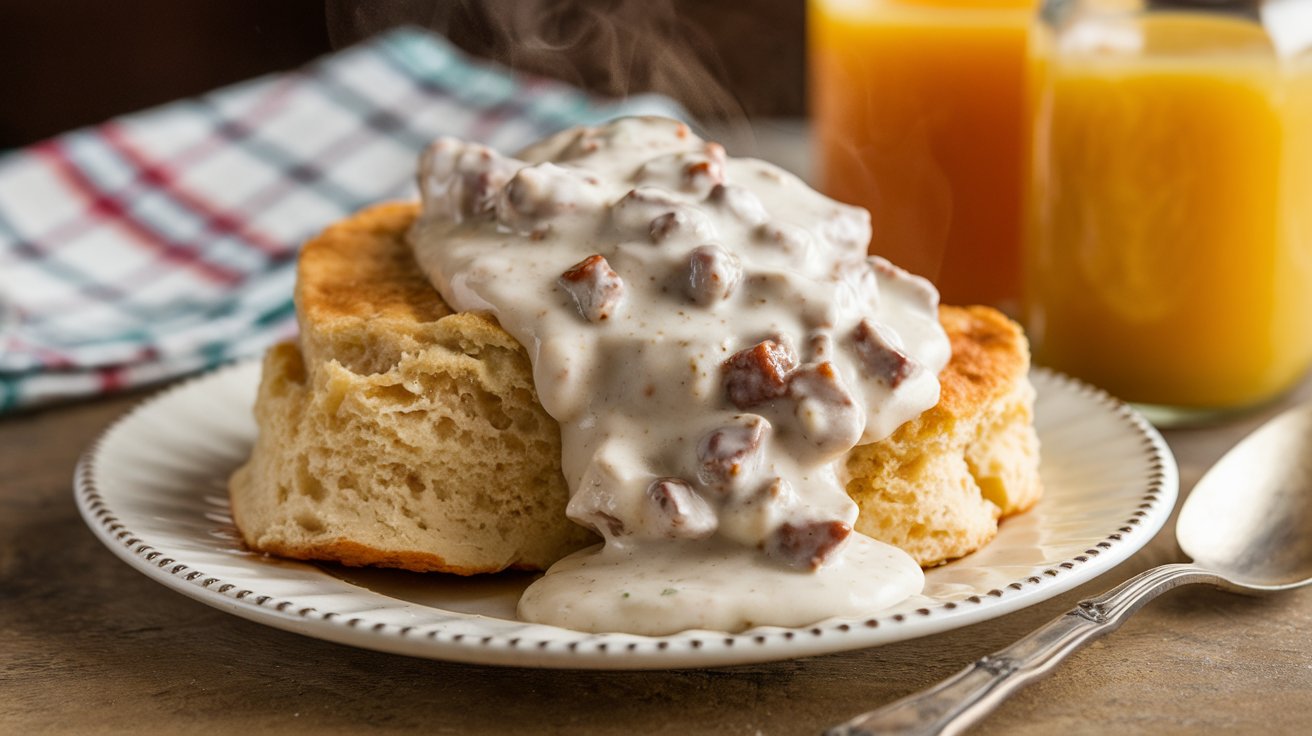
1249, 518
1247, 524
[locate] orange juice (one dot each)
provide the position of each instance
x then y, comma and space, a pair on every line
1170, 257
919, 115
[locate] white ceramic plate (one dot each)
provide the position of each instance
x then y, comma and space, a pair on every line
153, 488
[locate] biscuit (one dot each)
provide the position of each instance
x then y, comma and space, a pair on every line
938, 486
399, 434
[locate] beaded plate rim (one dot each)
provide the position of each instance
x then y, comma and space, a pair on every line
579, 650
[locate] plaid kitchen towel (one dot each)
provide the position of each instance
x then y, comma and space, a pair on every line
164, 242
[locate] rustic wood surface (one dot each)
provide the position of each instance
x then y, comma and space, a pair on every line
89, 645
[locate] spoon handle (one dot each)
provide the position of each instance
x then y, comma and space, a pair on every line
963, 699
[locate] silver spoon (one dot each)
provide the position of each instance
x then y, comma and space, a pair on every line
1248, 527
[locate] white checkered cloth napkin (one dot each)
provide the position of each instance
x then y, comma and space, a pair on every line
164, 242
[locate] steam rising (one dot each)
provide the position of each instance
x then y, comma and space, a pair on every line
615, 47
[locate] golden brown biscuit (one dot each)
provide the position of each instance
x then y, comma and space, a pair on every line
399, 434
938, 486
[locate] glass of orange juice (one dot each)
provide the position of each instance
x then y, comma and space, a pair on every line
1168, 254
918, 108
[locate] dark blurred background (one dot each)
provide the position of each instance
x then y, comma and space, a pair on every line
70, 63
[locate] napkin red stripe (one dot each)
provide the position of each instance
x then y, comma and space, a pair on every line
107, 208
160, 176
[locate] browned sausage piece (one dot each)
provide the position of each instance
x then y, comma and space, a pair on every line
728, 455
681, 513
596, 288
759, 373
713, 274
808, 544
879, 358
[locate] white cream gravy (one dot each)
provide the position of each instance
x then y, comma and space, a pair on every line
712, 339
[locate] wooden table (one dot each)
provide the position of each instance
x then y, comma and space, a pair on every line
89, 645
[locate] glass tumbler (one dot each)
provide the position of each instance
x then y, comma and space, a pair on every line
1168, 252
918, 109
